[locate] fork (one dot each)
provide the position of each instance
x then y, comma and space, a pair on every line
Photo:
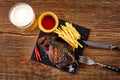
89, 61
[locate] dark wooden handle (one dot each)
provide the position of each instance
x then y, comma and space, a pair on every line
113, 68
117, 47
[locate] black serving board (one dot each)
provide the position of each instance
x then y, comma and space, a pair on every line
84, 32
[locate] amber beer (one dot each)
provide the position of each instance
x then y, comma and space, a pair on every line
22, 16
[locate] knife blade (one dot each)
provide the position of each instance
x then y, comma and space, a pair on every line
101, 45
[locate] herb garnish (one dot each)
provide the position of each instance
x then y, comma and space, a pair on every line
55, 44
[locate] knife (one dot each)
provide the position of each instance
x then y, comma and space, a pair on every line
101, 45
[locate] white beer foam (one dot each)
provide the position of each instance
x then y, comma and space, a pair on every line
22, 15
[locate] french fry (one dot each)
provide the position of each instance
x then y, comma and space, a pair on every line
67, 41
74, 31
70, 25
69, 34
72, 36
79, 44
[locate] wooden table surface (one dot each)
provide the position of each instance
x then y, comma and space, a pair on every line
16, 46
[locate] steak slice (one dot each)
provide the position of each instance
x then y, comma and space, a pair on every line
57, 51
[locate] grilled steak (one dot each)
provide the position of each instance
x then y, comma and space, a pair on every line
59, 52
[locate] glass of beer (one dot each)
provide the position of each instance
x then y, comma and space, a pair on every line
22, 16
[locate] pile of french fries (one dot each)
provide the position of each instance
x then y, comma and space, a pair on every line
69, 34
